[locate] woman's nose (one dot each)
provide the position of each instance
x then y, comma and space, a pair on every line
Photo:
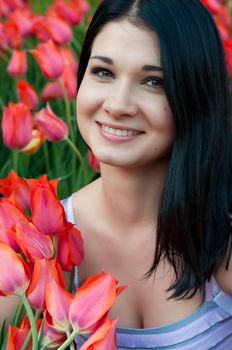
120, 102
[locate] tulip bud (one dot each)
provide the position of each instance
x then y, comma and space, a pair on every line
16, 125
17, 66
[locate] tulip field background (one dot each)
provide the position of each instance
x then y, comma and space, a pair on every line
58, 158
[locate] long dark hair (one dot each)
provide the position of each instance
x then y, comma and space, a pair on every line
193, 225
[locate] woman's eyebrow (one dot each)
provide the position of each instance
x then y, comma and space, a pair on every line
146, 67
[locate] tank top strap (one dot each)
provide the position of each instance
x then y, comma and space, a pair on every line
68, 207
216, 294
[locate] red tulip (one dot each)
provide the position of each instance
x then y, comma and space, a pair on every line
33, 243
14, 272
70, 248
27, 94
16, 125
52, 126
36, 141
16, 4
93, 162
17, 66
44, 272
103, 339
40, 29
16, 190
47, 212
13, 35
49, 59
92, 301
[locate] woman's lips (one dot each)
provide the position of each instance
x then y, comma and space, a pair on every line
118, 133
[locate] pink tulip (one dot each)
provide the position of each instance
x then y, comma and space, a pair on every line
14, 272
27, 94
16, 125
24, 20
103, 339
92, 301
67, 11
60, 32
69, 80
17, 66
58, 301
69, 58
52, 126
52, 338
33, 243
44, 272
52, 91
49, 59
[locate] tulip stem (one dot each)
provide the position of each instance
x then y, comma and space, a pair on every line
67, 109
68, 341
28, 338
15, 161
32, 321
72, 346
79, 156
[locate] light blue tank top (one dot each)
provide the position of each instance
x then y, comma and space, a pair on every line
209, 327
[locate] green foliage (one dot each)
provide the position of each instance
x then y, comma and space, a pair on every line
57, 160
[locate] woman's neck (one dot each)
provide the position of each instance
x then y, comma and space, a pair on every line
131, 197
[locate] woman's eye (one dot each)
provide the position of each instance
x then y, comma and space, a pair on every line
102, 73
154, 82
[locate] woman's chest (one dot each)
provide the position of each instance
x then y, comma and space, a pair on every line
145, 303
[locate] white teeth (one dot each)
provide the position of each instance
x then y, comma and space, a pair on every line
118, 132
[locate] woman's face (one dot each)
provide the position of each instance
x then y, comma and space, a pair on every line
122, 109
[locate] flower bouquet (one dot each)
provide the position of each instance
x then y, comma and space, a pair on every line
37, 247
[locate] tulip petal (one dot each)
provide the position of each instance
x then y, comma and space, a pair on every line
92, 301
58, 301
14, 273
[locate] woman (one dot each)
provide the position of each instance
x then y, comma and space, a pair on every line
153, 105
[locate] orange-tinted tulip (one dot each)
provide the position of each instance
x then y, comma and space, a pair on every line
23, 19
14, 272
37, 140
69, 58
58, 302
69, 80
103, 339
16, 190
27, 94
33, 243
44, 272
70, 248
54, 128
47, 212
9, 216
17, 66
93, 300
49, 59
16, 125
16, 338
